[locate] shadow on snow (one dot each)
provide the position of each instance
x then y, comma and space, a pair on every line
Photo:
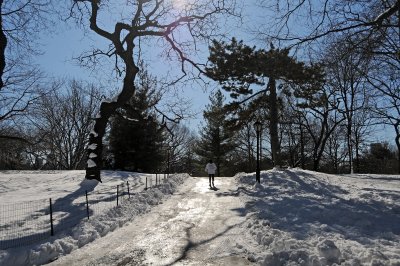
71, 209
304, 205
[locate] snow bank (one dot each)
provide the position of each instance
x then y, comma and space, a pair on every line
89, 230
307, 218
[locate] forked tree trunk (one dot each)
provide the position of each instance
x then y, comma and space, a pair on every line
124, 50
95, 148
274, 121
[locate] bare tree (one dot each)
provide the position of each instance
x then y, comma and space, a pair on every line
317, 115
180, 145
64, 120
336, 151
368, 23
13, 146
245, 145
20, 21
346, 74
385, 79
142, 19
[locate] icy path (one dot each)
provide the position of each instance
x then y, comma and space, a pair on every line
195, 226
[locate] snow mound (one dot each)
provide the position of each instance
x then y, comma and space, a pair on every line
307, 218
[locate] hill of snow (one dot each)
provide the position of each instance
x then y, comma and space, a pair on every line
307, 218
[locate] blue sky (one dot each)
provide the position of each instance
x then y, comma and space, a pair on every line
68, 42
59, 51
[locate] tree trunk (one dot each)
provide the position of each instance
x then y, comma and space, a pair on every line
274, 120
397, 140
3, 45
316, 164
398, 153
303, 159
249, 152
350, 146
357, 160
95, 148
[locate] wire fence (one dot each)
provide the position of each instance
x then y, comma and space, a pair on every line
25, 223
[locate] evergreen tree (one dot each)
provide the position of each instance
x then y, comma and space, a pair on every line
136, 138
380, 158
216, 142
237, 66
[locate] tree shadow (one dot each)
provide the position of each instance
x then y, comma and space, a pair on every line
378, 177
68, 213
136, 180
36, 227
192, 245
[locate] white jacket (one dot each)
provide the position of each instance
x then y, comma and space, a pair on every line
210, 168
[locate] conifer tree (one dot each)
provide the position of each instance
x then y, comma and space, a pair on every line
136, 137
216, 142
237, 66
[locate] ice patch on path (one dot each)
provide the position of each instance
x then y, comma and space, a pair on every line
89, 230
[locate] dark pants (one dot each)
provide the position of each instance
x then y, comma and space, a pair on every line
211, 176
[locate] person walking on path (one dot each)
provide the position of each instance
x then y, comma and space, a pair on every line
210, 169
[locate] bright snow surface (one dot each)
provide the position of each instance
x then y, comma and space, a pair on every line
293, 217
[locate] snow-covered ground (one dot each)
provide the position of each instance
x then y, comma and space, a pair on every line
308, 218
24, 196
33, 189
21, 186
294, 217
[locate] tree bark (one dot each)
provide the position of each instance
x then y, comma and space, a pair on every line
107, 108
3, 45
350, 146
249, 150
95, 149
303, 159
274, 121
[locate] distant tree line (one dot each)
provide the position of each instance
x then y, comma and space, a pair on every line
301, 142
319, 115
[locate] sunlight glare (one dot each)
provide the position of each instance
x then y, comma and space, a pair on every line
179, 4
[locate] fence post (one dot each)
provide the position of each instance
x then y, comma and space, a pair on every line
51, 220
146, 184
87, 205
117, 194
156, 179
129, 194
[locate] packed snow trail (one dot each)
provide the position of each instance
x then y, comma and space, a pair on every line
195, 226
